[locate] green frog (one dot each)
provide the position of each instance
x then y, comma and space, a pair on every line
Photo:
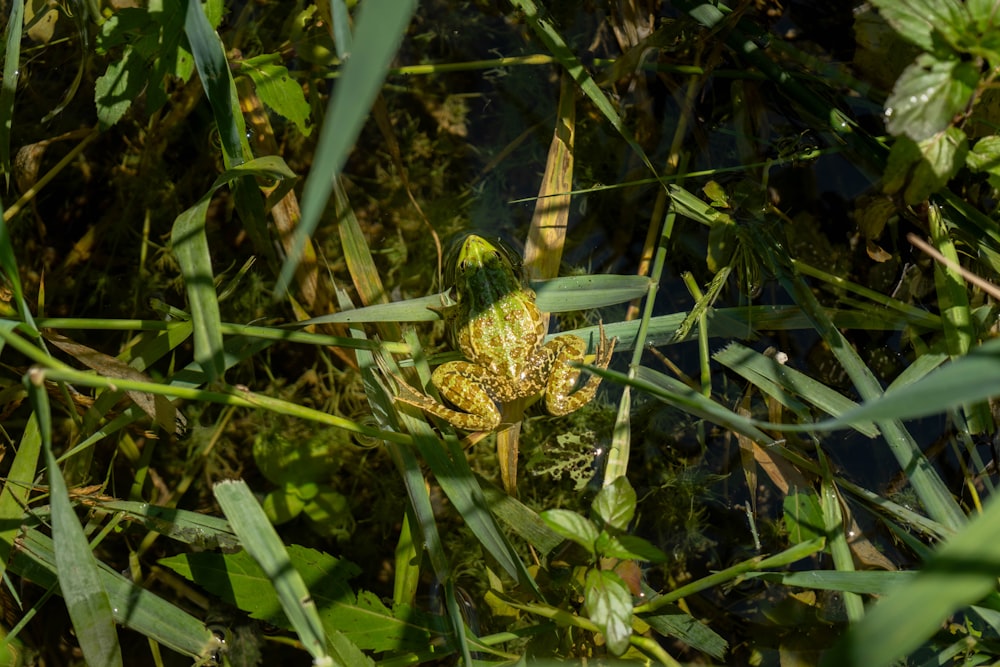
501, 332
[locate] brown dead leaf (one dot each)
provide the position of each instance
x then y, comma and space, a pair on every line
159, 408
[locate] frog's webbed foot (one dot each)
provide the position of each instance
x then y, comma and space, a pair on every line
558, 397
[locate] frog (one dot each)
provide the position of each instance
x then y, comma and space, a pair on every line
499, 329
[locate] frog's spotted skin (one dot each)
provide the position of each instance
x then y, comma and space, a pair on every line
499, 329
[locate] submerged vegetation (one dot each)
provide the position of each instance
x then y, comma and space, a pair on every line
224, 246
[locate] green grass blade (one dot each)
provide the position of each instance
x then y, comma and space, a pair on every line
86, 598
217, 79
262, 542
378, 31
342, 39
675, 392
420, 508
132, 606
962, 571
929, 486
17, 486
11, 72
190, 245
785, 384
974, 377
585, 292
864, 582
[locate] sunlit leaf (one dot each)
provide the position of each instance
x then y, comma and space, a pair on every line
924, 22
279, 91
928, 94
615, 504
609, 604
572, 526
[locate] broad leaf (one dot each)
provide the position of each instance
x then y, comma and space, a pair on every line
572, 526
615, 504
609, 604
928, 94
238, 580
985, 156
279, 91
925, 22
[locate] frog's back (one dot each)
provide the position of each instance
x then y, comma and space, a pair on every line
505, 336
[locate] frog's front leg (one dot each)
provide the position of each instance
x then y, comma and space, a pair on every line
563, 377
465, 385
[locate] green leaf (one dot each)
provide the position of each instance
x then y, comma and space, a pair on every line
281, 506
927, 96
609, 605
238, 580
985, 156
615, 504
944, 154
116, 88
926, 167
803, 516
265, 546
152, 56
79, 577
330, 513
924, 22
572, 526
278, 90
380, 27
629, 547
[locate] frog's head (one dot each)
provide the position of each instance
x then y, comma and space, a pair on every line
473, 253
484, 271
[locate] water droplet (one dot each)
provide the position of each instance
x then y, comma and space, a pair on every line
913, 99
888, 112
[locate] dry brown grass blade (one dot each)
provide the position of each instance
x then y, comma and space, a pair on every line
159, 408
547, 234
286, 213
544, 246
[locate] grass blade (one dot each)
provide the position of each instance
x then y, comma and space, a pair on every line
962, 571
785, 384
262, 542
86, 598
213, 69
379, 29
11, 70
190, 245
